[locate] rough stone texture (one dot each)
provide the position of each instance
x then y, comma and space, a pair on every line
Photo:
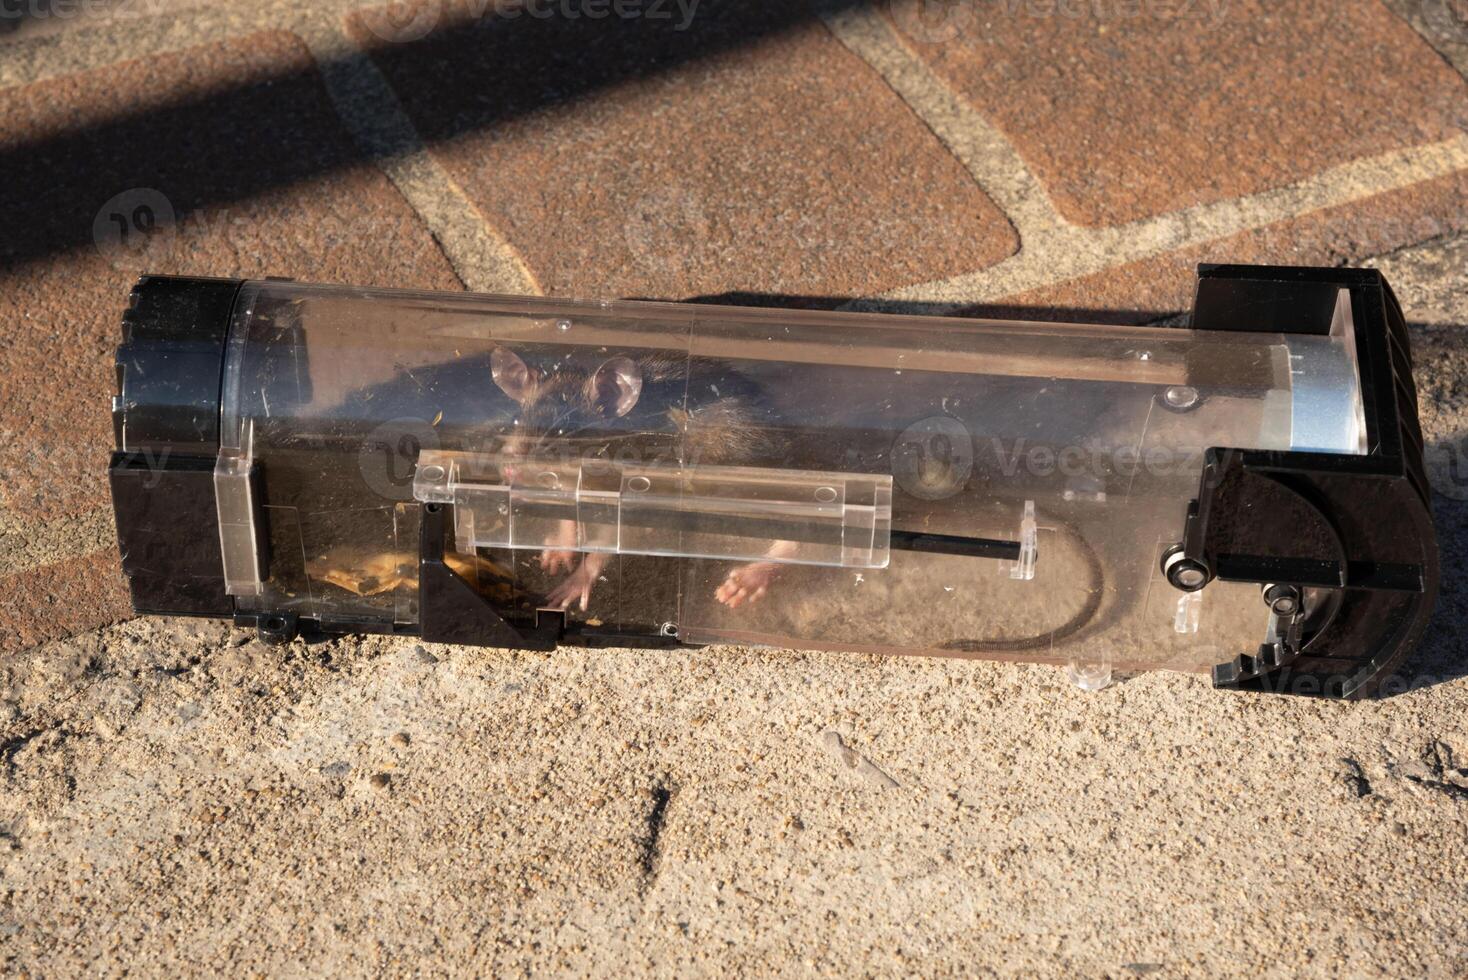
1126, 110
749, 152
1163, 286
1444, 23
1431, 275
232, 155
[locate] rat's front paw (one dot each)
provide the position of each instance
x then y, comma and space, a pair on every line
554, 561
747, 583
577, 586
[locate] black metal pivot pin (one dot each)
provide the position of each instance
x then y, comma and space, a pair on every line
774, 529
950, 544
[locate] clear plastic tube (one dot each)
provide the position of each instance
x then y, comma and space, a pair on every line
940, 428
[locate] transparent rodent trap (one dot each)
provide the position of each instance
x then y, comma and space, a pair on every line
653, 474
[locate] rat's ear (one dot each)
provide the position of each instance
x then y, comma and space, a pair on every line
511, 374
616, 386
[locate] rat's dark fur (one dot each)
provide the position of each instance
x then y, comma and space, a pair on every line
654, 408
692, 411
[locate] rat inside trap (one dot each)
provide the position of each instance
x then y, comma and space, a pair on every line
1242, 496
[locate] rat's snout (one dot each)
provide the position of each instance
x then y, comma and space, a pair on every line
517, 448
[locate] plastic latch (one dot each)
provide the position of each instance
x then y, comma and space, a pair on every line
236, 498
1189, 612
802, 517
1023, 568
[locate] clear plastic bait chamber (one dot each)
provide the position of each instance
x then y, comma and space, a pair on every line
524, 471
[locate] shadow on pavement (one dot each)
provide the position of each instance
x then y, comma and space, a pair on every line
240, 140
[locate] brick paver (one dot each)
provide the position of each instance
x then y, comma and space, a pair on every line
239, 142
60, 599
1139, 291
751, 151
1126, 110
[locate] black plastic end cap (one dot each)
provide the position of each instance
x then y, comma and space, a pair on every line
168, 534
1370, 538
170, 363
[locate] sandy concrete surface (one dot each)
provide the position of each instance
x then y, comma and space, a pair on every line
175, 796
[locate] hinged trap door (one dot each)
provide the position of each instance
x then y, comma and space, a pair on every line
742, 513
